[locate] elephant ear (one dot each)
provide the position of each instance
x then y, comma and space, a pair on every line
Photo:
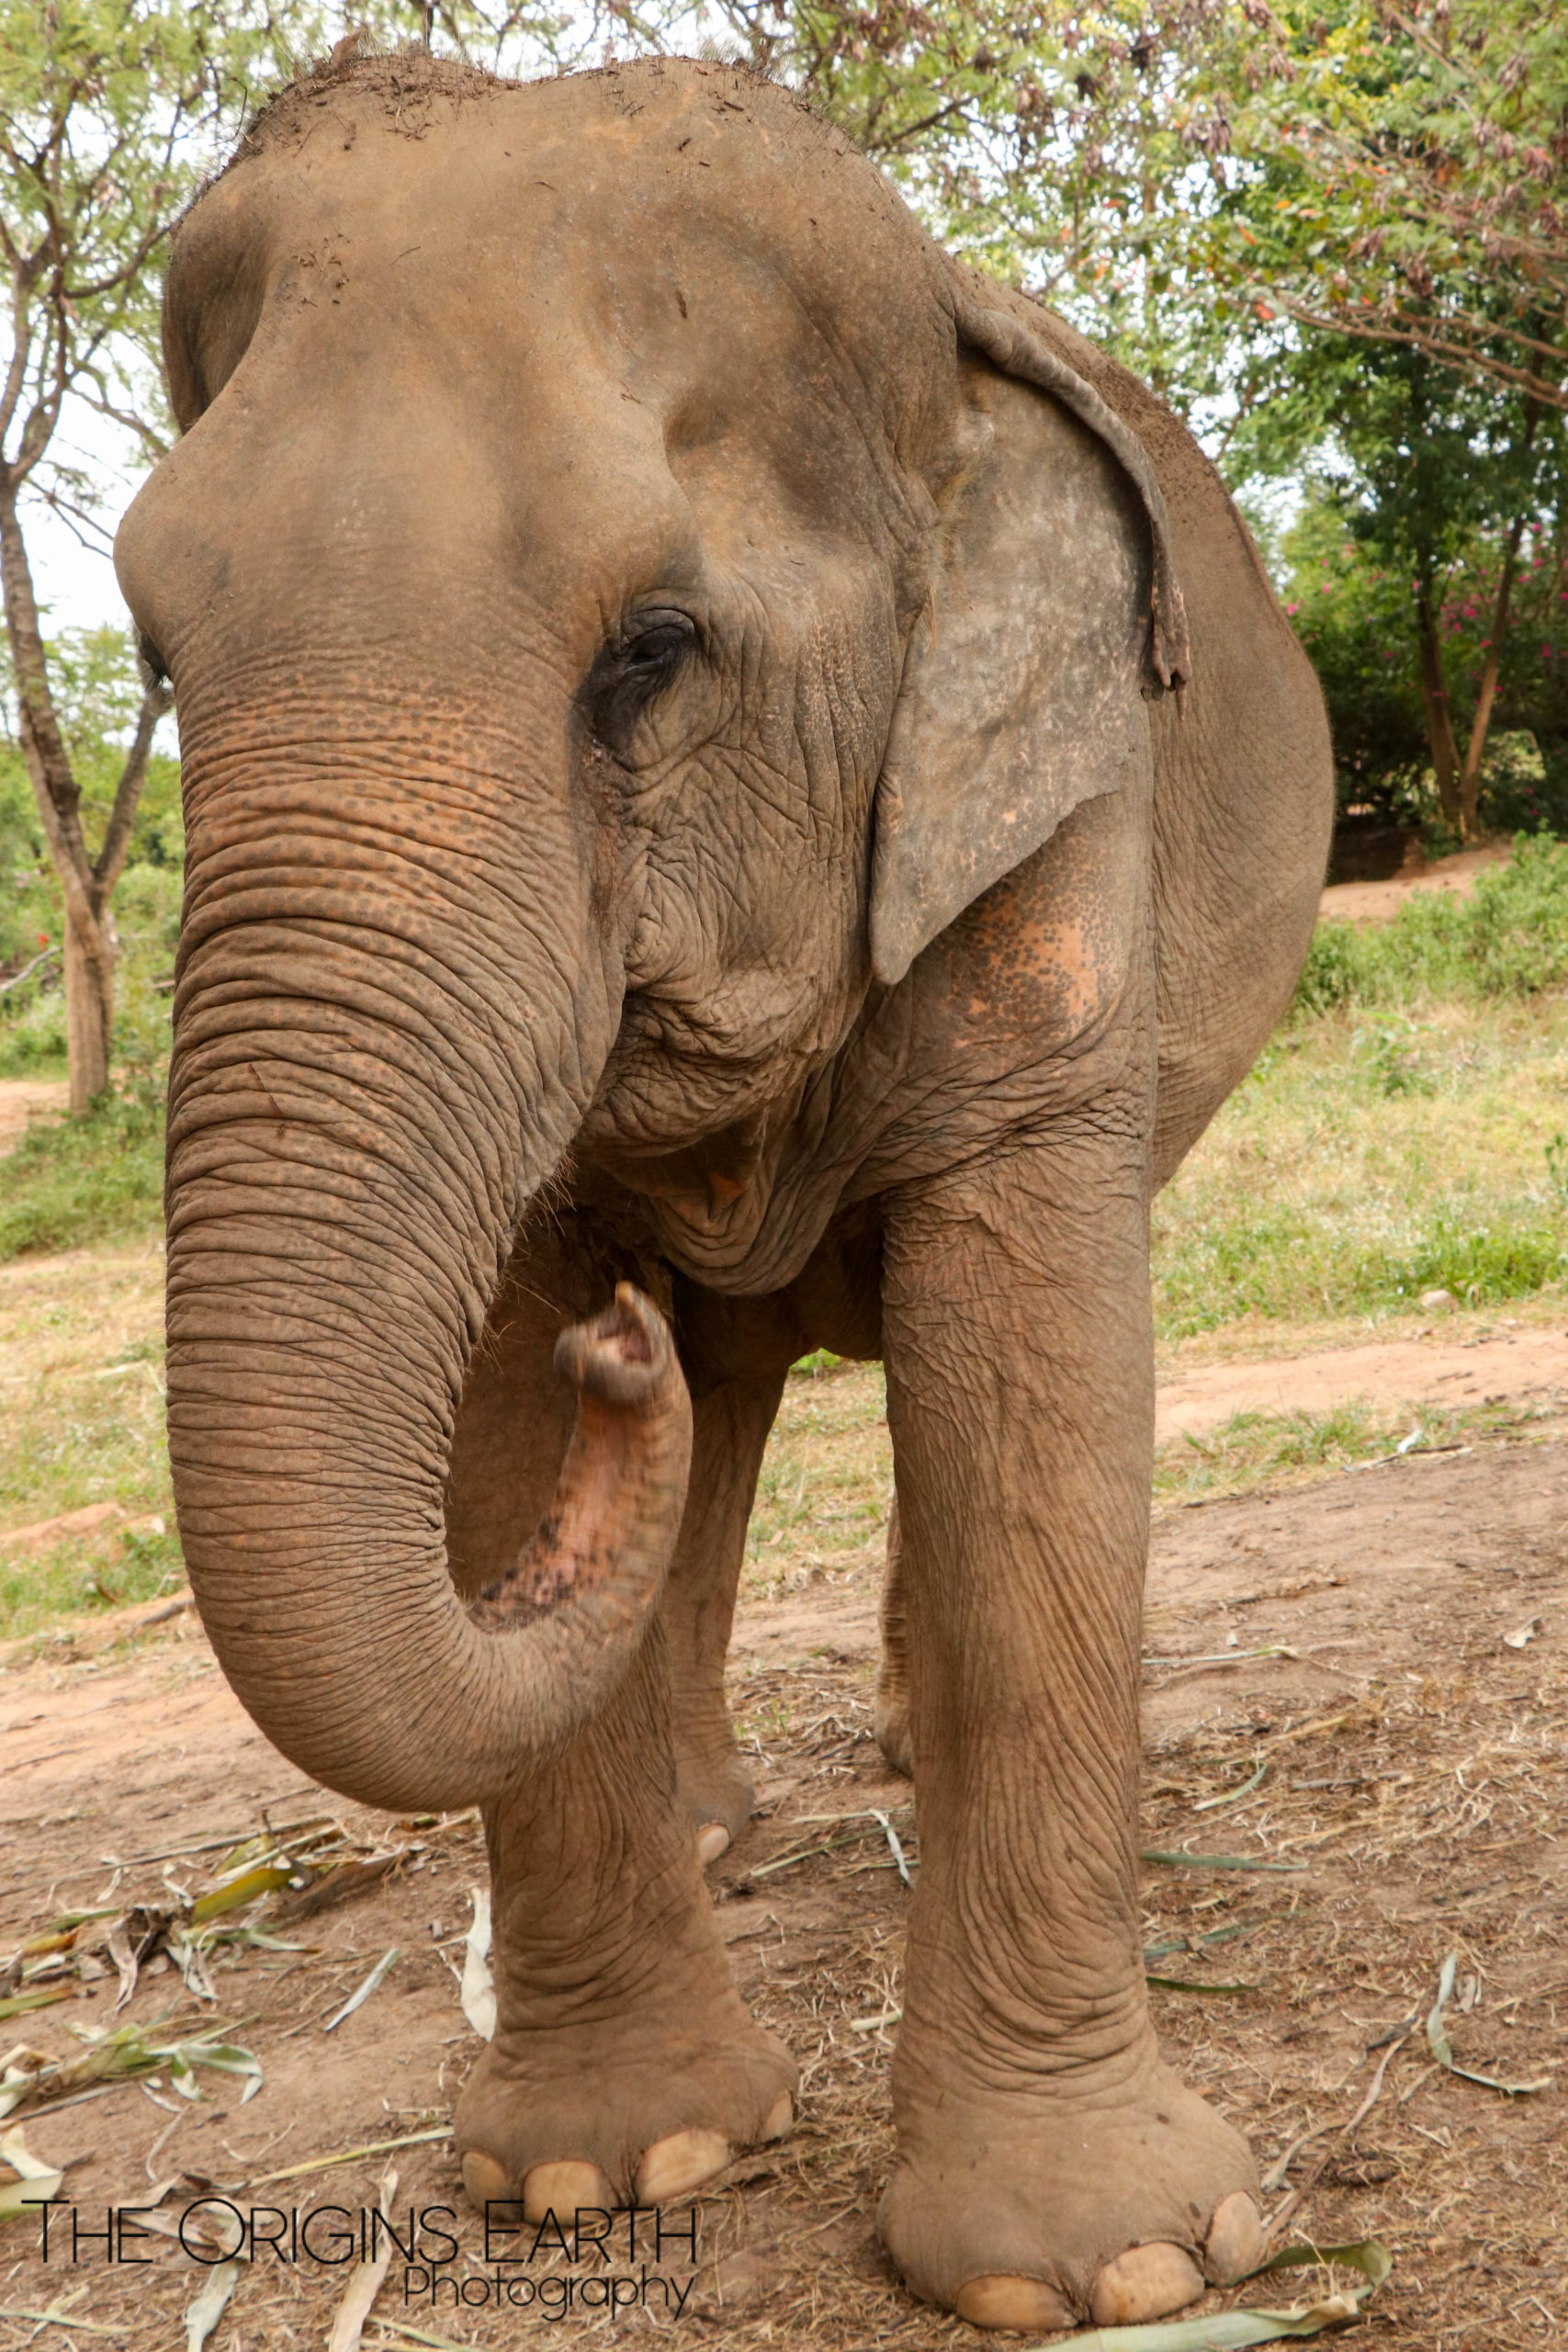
1054, 610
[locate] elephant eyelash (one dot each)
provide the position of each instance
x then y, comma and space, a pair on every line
152, 660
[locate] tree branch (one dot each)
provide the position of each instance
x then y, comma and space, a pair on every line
156, 698
28, 971
1550, 395
43, 747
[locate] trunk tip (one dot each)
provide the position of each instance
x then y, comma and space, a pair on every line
625, 1355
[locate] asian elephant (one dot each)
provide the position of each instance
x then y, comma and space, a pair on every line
746, 789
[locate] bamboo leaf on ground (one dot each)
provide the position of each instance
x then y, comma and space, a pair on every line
1442, 2049
248, 1888
1185, 1862
203, 2316
894, 1848
37, 2183
349, 2156
357, 1998
398, 2331
1185, 1985
124, 2054
15, 2004
1230, 2331
1226, 1657
476, 1990
365, 2284
61, 2314
1233, 1796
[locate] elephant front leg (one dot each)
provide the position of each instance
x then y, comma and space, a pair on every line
1049, 2166
625, 2067
730, 1432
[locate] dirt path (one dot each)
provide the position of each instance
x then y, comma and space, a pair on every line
1521, 1366
1414, 1780
1376, 901
22, 1099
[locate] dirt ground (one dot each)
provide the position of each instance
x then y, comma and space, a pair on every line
1410, 1803
1375, 901
1523, 1365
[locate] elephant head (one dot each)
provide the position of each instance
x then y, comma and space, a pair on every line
626, 593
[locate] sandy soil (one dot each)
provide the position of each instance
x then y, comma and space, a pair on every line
1415, 1789
22, 1099
1375, 901
1524, 1367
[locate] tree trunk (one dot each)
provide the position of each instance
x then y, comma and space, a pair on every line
1470, 781
90, 953
1440, 718
91, 946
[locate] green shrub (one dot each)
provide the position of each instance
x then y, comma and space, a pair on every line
32, 1042
1509, 937
1519, 919
99, 1177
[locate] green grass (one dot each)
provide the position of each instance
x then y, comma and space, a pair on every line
1367, 1160
1260, 1450
1508, 937
826, 1481
98, 1178
74, 1182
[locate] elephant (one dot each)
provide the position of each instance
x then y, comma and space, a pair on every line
746, 790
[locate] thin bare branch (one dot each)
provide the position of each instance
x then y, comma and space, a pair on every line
156, 699
1438, 347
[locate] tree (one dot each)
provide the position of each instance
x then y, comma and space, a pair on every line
97, 689
1437, 477
1401, 173
108, 110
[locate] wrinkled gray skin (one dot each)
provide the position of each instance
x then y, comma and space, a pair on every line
683, 789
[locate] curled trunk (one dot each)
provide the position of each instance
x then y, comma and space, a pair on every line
355, 1654
385, 1037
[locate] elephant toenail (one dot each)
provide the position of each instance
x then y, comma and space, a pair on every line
674, 2167
713, 1839
564, 2187
1235, 2240
1146, 2282
778, 2118
1000, 2300
486, 2181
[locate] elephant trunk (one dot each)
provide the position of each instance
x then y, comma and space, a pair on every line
380, 1055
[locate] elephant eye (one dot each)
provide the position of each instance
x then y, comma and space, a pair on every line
634, 667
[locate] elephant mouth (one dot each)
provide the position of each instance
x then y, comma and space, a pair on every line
716, 1205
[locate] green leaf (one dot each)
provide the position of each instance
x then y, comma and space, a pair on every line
248, 1888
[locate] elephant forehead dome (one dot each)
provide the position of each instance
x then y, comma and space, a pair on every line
640, 162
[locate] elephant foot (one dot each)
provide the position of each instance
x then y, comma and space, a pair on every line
1048, 2206
715, 1793
890, 1721
641, 2112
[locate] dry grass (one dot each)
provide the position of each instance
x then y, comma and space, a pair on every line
82, 1424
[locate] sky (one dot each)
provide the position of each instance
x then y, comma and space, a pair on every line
76, 582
